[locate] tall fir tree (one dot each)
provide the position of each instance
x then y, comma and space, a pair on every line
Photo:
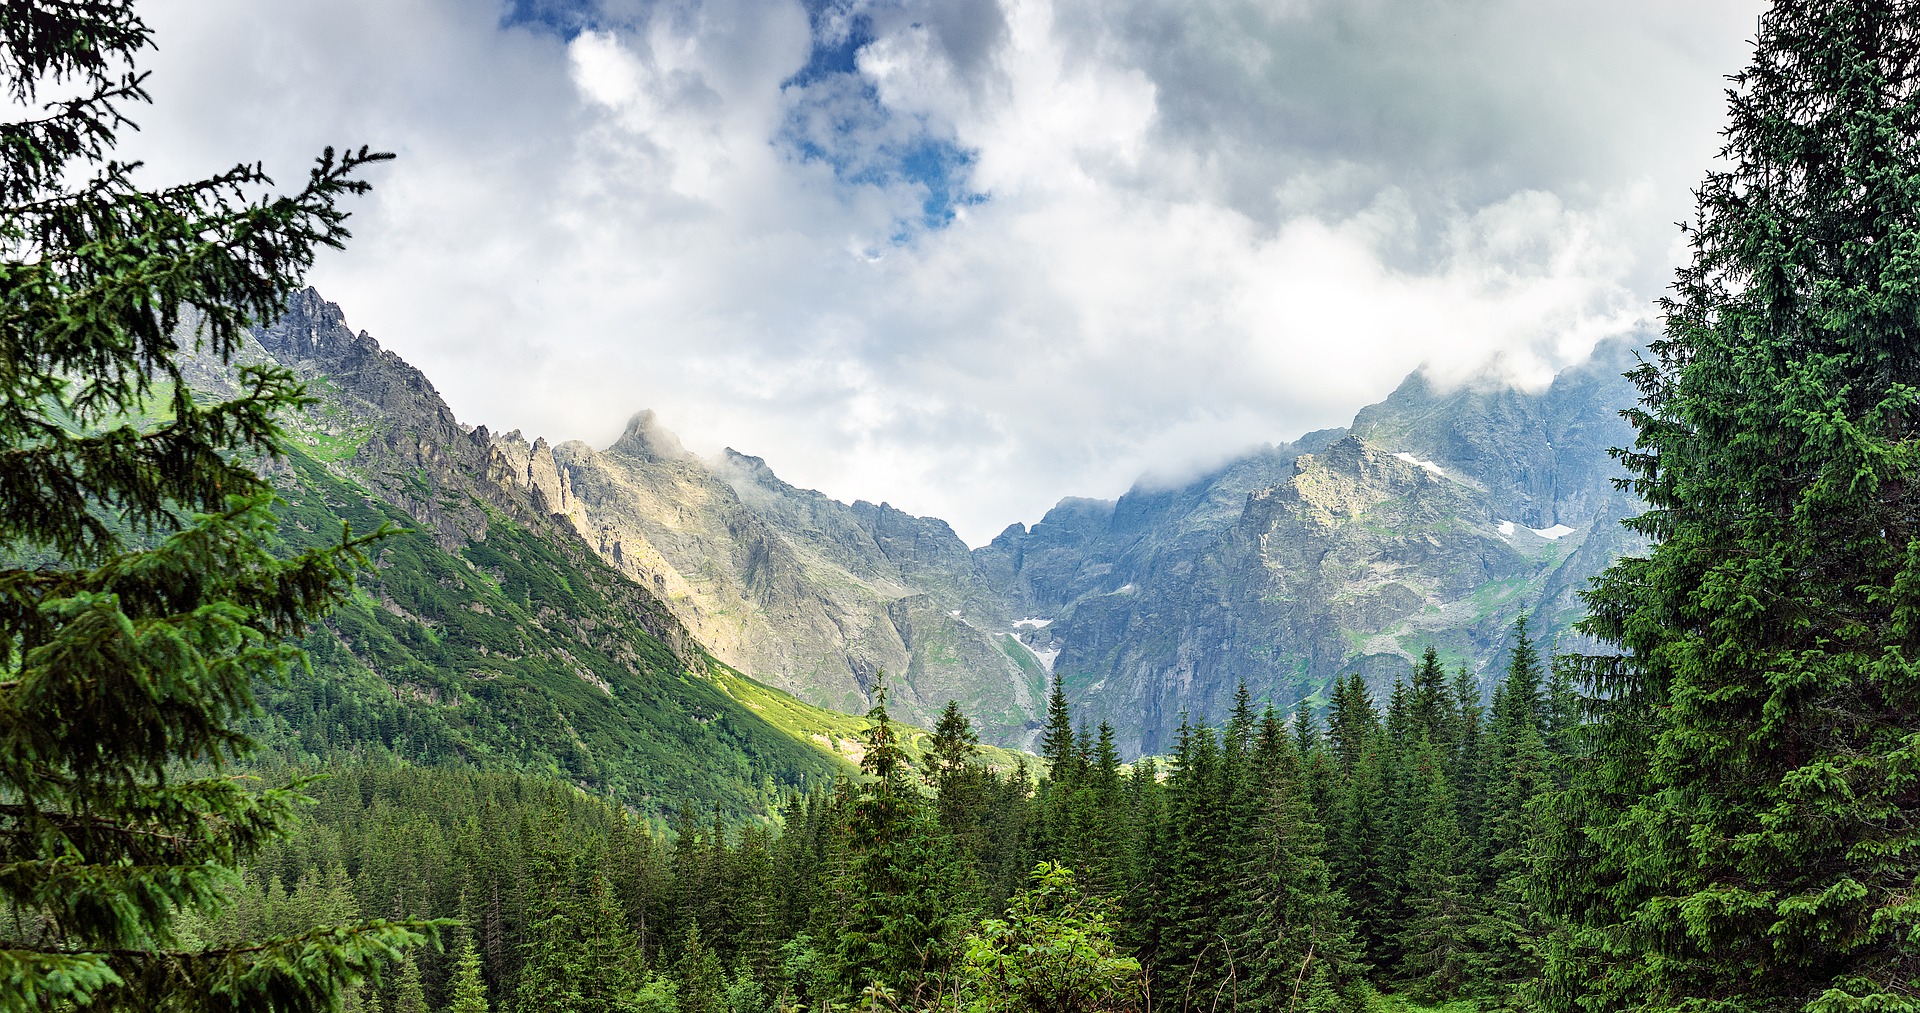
1057, 744
1437, 933
469, 987
1466, 768
409, 995
900, 932
1747, 840
1519, 777
1297, 924
1429, 700
140, 599
1193, 969
1352, 720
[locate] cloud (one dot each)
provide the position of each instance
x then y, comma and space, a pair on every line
970, 255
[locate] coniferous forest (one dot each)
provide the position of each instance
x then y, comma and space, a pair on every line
1264, 865
1713, 808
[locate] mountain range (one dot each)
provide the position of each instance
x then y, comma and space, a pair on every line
1436, 518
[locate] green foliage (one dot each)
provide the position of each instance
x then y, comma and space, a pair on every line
1437, 937
478, 657
409, 995
140, 600
1744, 839
900, 928
469, 992
1052, 953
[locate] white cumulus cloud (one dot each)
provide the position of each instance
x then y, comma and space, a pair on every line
984, 253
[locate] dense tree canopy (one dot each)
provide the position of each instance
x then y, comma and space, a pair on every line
1746, 836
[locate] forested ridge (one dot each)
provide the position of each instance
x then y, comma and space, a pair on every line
1265, 865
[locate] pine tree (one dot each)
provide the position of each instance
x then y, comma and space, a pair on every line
1429, 701
1748, 836
700, 982
1192, 968
1466, 766
1519, 777
409, 995
554, 971
469, 990
1353, 722
1144, 906
1562, 717
900, 931
1358, 856
140, 603
1297, 924
1436, 938
953, 746
1057, 742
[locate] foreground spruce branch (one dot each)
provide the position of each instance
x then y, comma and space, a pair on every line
140, 600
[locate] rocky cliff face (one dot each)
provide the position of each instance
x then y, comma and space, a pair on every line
1438, 517
811, 595
379, 423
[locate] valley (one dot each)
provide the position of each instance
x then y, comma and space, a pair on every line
1436, 518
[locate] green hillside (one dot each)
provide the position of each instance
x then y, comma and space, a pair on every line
516, 654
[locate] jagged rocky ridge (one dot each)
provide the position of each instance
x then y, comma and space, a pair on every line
489, 633
1436, 518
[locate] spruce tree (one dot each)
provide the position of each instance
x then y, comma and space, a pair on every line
469, 990
140, 600
1466, 766
1437, 934
900, 931
1352, 721
554, 973
1057, 742
1358, 858
953, 745
409, 995
1193, 968
1748, 836
1297, 923
1518, 780
1429, 701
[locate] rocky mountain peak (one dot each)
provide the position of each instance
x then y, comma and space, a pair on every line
646, 439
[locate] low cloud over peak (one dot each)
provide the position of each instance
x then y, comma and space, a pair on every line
970, 255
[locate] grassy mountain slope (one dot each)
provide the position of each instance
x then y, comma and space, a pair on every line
815, 596
514, 653
489, 634
1436, 519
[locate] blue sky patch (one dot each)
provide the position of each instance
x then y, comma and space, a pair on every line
565, 18
838, 119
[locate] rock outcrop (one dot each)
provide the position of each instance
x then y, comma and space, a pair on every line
1438, 517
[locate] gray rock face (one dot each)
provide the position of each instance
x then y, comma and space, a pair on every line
1438, 517
391, 434
814, 596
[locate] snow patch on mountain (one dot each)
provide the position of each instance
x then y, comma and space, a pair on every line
1431, 467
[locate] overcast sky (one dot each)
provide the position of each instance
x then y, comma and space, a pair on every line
969, 256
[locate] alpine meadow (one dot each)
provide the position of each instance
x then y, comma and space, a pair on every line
1595, 695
